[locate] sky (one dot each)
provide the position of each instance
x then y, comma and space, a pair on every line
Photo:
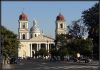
44, 12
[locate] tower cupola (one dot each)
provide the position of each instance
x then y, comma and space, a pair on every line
60, 17
23, 17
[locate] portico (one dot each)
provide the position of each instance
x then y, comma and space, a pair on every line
37, 46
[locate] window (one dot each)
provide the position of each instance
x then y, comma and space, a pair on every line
23, 25
61, 25
35, 35
23, 36
31, 35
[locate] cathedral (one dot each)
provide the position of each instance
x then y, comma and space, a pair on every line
32, 40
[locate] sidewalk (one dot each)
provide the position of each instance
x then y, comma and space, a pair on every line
94, 63
7, 66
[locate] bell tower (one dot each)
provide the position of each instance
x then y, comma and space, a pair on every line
23, 27
60, 25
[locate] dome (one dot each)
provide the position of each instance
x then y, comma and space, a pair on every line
60, 17
23, 17
34, 28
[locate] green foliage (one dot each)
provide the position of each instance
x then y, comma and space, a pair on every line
53, 52
91, 19
91, 15
61, 40
43, 52
80, 45
77, 29
69, 45
10, 43
36, 53
62, 51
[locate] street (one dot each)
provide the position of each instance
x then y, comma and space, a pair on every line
44, 65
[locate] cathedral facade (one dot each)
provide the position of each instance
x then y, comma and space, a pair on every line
32, 40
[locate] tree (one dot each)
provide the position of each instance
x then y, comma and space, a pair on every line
82, 46
36, 53
43, 52
86, 49
77, 29
91, 19
61, 40
10, 43
54, 53
61, 44
62, 52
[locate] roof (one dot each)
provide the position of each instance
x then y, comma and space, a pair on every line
23, 17
60, 17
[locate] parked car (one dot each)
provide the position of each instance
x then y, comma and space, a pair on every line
86, 60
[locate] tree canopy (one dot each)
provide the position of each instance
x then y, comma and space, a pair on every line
91, 19
10, 43
77, 29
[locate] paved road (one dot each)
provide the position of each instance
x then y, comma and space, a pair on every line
35, 65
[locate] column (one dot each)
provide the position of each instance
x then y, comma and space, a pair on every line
27, 25
20, 36
34, 53
19, 25
46, 46
30, 50
37, 47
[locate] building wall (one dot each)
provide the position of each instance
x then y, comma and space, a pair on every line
25, 47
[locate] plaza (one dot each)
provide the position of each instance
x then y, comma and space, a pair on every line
45, 65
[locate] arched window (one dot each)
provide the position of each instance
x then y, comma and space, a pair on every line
23, 26
35, 35
61, 25
23, 36
31, 35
